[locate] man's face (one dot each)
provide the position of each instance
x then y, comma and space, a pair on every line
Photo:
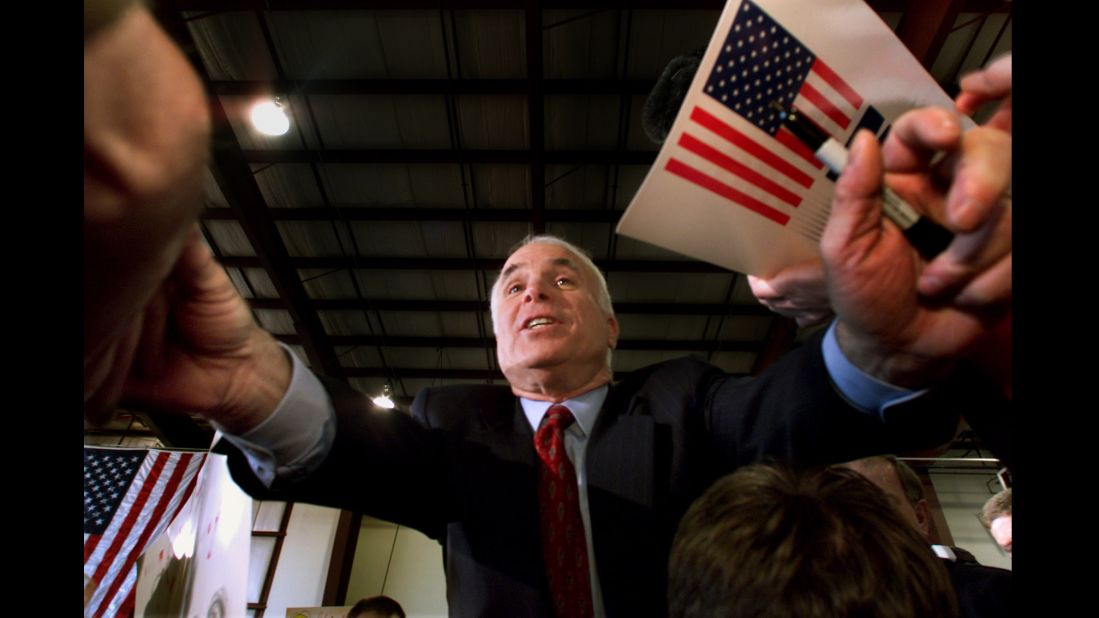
547, 314
1001, 531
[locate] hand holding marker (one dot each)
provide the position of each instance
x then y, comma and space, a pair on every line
929, 238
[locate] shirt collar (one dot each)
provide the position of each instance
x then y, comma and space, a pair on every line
585, 409
945, 552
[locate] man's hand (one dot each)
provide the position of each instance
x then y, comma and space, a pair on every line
202, 352
980, 174
146, 141
887, 326
966, 192
799, 291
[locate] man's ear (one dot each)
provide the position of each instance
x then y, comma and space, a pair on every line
612, 330
923, 517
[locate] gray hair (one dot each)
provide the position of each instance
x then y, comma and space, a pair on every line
602, 294
910, 481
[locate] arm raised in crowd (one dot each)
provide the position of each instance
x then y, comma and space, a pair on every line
146, 141
886, 327
201, 351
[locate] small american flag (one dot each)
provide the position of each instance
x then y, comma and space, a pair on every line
130, 497
766, 170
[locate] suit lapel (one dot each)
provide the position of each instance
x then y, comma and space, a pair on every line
619, 457
509, 432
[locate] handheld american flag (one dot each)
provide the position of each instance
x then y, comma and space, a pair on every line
750, 196
130, 496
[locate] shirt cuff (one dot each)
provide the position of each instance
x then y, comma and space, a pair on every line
861, 390
296, 438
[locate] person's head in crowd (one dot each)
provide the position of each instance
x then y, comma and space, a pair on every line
901, 484
554, 324
996, 517
377, 607
767, 542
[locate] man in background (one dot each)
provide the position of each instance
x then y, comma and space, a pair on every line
982, 591
996, 518
376, 607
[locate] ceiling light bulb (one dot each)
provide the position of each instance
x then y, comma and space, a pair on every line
384, 400
270, 119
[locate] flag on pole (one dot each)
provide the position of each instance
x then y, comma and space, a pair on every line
130, 496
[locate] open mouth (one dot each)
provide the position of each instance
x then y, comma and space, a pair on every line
534, 323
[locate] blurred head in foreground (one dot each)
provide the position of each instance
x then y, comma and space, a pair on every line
768, 542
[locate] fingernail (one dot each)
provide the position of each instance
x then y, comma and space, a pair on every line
950, 124
857, 146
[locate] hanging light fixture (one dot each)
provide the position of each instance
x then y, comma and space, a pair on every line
384, 400
269, 118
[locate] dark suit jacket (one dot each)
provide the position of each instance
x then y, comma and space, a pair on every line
983, 591
463, 470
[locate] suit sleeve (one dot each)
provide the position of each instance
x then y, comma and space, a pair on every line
381, 463
794, 413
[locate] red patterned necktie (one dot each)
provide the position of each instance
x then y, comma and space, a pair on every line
563, 545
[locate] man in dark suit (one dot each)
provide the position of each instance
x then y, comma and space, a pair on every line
982, 591
645, 447
569, 511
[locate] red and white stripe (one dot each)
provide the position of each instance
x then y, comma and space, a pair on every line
161, 487
742, 165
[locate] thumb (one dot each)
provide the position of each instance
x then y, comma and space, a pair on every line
855, 220
196, 270
761, 288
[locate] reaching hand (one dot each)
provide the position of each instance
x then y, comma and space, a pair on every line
966, 192
146, 139
799, 291
202, 352
977, 173
887, 327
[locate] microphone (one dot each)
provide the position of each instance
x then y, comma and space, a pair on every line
660, 109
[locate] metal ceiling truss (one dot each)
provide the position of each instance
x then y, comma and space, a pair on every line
461, 263
382, 5
470, 306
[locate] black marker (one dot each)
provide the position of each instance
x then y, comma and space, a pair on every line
929, 238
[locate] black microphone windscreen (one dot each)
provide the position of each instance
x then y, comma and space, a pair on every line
658, 113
